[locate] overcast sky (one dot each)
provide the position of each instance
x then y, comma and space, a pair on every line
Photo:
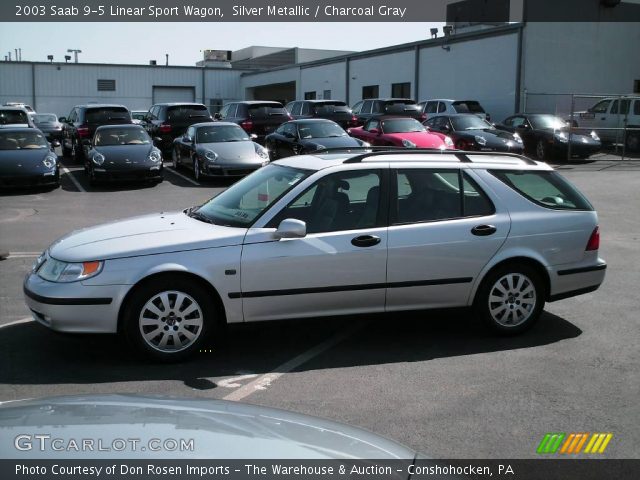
140, 42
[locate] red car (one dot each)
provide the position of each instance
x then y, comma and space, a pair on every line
400, 132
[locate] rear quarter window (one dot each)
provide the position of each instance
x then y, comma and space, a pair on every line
547, 189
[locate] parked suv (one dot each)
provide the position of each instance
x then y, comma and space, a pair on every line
452, 107
329, 234
167, 121
83, 121
335, 110
257, 117
612, 113
378, 107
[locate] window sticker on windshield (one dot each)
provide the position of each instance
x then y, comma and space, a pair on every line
296, 179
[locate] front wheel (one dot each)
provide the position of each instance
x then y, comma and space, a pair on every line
632, 141
168, 319
510, 300
541, 150
196, 169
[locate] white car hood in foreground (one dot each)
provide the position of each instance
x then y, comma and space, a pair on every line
145, 235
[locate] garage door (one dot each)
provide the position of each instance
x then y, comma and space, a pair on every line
174, 94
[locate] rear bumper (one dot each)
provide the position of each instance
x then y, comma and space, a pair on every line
570, 281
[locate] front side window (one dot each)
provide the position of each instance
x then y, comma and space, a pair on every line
246, 200
547, 189
337, 202
432, 107
600, 107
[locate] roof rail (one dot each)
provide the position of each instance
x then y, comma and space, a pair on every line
367, 152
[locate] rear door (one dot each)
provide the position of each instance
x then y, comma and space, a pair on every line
443, 229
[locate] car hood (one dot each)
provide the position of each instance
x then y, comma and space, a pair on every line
124, 153
331, 142
219, 429
144, 235
421, 139
231, 151
498, 137
16, 162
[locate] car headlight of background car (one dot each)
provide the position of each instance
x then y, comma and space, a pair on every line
448, 142
594, 136
480, 140
517, 138
98, 158
210, 155
54, 270
155, 156
261, 151
50, 160
408, 143
562, 137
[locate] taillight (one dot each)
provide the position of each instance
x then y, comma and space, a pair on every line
289, 116
353, 121
247, 125
83, 132
165, 128
423, 117
594, 240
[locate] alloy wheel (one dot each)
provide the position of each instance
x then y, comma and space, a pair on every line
196, 169
512, 299
541, 150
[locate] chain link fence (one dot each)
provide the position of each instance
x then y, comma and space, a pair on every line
614, 117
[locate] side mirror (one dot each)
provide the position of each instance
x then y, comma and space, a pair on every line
86, 142
157, 139
291, 228
62, 119
187, 139
55, 143
253, 136
217, 116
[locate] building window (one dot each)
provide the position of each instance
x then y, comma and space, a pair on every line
636, 86
106, 85
401, 90
326, 94
370, 91
215, 105
309, 95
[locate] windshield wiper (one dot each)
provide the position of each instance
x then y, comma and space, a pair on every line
193, 213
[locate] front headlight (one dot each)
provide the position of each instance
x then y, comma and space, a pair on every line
50, 161
562, 137
595, 136
261, 151
448, 142
39, 261
480, 140
408, 143
320, 147
155, 156
210, 155
63, 272
517, 138
98, 158
365, 144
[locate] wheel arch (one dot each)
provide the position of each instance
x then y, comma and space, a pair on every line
218, 304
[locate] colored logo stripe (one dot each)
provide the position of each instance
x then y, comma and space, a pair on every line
550, 442
598, 443
573, 443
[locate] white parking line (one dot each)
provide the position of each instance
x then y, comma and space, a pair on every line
184, 177
17, 322
264, 381
73, 179
23, 255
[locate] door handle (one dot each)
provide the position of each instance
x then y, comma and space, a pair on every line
365, 241
484, 230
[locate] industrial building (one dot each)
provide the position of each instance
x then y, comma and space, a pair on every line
508, 66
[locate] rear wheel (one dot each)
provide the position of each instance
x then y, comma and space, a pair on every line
168, 319
632, 141
510, 299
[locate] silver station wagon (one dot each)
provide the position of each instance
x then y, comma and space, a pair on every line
329, 234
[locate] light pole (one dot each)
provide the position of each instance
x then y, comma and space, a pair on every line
75, 53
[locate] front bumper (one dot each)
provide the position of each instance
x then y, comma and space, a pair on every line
74, 307
130, 174
228, 170
39, 180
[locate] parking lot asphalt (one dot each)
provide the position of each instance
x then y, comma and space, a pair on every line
435, 381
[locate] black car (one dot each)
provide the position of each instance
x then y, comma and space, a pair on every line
335, 110
82, 123
218, 149
166, 121
27, 159
470, 132
547, 136
298, 137
122, 152
378, 107
256, 117
48, 124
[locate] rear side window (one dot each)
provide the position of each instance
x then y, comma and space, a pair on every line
187, 112
101, 115
266, 110
547, 189
468, 107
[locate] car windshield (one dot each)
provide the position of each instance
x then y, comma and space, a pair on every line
45, 118
22, 140
320, 130
121, 136
467, 107
402, 125
470, 122
221, 133
547, 121
241, 204
8, 117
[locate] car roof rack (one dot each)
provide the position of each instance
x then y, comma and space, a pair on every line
461, 155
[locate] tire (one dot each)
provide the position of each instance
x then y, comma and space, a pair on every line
632, 141
196, 169
177, 306
541, 150
77, 153
510, 299
174, 159
66, 152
